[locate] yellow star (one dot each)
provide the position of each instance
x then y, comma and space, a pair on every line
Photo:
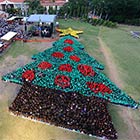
69, 31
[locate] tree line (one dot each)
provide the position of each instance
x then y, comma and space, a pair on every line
120, 11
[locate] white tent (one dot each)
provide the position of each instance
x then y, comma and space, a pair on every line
42, 18
11, 18
8, 36
1, 45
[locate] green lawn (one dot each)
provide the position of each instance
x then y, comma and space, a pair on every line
18, 48
125, 50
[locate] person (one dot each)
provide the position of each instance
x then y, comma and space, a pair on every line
25, 28
57, 24
65, 16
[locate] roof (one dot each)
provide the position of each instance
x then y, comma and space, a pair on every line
41, 18
56, 3
11, 1
69, 68
8, 36
1, 45
11, 18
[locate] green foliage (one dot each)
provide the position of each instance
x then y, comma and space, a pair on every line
75, 9
133, 22
34, 7
103, 23
116, 11
78, 11
14, 11
51, 10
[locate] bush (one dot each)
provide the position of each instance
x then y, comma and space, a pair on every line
101, 22
109, 24
133, 22
95, 22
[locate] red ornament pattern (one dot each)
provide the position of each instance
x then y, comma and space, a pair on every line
28, 75
68, 49
44, 65
86, 70
62, 81
75, 58
58, 54
98, 87
69, 41
65, 67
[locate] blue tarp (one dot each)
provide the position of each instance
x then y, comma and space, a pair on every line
41, 18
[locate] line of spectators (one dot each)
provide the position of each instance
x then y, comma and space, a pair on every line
14, 26
88, 115
5, 27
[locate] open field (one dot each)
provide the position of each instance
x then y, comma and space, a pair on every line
123, 50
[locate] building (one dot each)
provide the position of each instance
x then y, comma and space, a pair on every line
4, 4
53, 3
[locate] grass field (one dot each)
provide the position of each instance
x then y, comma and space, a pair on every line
18, 48
125, 50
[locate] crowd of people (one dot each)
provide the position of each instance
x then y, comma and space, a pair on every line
14, 26
43, 30
5, 27
21, 29
70, 110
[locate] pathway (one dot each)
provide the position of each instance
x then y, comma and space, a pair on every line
126, 113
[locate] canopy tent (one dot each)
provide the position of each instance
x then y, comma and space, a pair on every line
11, 18
1, 45
41, 18
8, 36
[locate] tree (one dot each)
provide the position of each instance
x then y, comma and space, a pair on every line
113, 10
35, 7
74, 8
116, 10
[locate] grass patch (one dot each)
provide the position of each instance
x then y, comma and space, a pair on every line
18, 48
125, 50
118, 122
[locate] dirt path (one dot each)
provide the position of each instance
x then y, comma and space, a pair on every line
125, 113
